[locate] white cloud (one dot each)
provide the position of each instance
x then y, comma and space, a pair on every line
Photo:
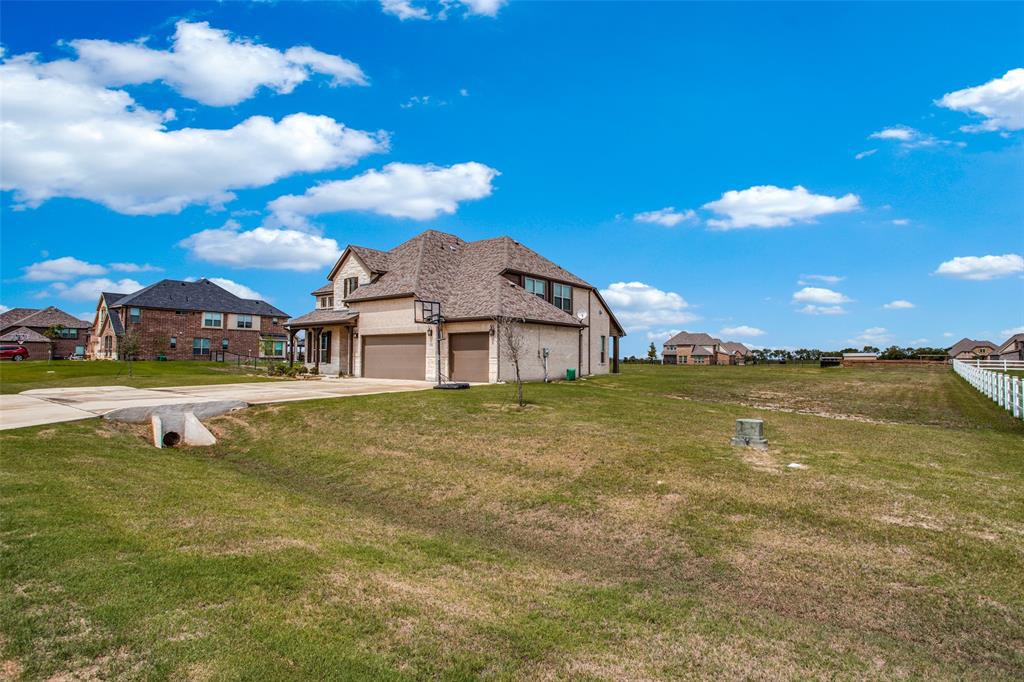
1000, 102
827, 279
669, 216
87, 315
61, 269
741, 330
819, 295
918, 342
865, 154
901, 133
811, 309
206, 64
1012, 330
982, 267
90, 289
404, 9
236, 288
898, 304
771, 206
134, 267
900, 221
71, 139
485, 8
463, 92
660, 336
947, 334
4, 308
641, 307
400, 190
874, 336
262, 247
910, 138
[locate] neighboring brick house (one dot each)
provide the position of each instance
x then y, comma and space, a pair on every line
187, 321
970, 349
365, 322
698, 348
1012, 349
28, 326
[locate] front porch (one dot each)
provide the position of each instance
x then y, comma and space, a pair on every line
329, 340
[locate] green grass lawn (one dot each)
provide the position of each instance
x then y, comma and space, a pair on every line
607, 531
16, 377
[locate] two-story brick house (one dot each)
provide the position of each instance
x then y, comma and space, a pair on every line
698, 348
29, 327
365, 322
181, 320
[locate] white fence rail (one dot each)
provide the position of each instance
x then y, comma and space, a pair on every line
995, 364
1005, 389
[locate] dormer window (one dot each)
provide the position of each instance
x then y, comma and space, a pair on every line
326, 302
350, 285
537, 287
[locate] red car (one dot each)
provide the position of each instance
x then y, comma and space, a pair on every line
15, 353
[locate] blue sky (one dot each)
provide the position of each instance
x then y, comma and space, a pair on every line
698, 162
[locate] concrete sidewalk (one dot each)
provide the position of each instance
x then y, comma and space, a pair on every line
51, 405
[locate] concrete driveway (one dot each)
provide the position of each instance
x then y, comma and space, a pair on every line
52, 405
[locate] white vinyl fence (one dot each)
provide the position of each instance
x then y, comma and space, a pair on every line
1004, 389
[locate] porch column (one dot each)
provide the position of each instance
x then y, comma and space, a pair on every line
316, 333
615, 355
291, 347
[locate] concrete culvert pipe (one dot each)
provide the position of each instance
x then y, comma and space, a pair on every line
171, 438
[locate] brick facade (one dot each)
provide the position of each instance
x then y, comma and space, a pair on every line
156, 328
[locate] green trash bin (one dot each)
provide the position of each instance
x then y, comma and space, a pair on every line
570, 374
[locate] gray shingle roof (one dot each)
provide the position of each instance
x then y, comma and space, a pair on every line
1009, 342
41, 317
171, 294
967, 345
466, 277
115, 322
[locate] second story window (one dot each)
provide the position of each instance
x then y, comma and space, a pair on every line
245, 322
351, 284
215, 320
134, 315
326, 301
562, 297
535, 286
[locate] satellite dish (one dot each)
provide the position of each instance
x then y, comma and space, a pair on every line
582, 315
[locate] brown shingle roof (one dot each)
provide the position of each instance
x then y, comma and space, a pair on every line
45, 317
377, 261
1009, 342
692, 339
735, 347
325, 289
967, 345
28, 336
322, 317
466, 277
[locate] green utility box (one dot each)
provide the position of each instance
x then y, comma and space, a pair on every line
570, 374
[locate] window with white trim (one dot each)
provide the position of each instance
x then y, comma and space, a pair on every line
213, 320
562, 296
244, 322
537, 287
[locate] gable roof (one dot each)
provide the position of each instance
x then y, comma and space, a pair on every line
41, 317
172, 294
28, 336
1009, 342
735, 347
965, 345
693, 339
466, 277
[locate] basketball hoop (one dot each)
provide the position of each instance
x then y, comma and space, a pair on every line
428, 312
